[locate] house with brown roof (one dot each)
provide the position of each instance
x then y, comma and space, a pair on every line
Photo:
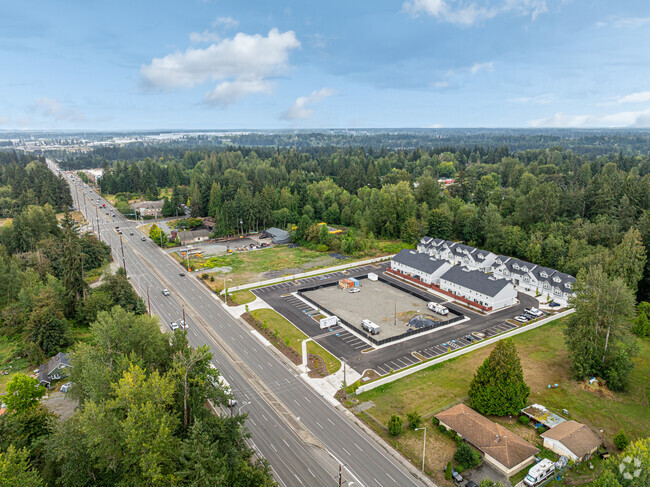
573, 439
501, 448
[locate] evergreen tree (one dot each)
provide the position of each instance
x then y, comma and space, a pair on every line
498, 387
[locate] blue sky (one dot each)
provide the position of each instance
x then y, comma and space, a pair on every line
201, 64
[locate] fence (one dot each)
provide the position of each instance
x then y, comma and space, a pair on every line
368, 336
416, 368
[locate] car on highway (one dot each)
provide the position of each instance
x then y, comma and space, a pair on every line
130, 233
144, 239
182, 274
354, 290
117, 227
182, 324
107, 212
165, 292
113, 215
174, 326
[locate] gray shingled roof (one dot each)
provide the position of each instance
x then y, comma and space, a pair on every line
475, 280
418, 261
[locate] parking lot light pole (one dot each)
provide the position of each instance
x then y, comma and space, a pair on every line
424, 444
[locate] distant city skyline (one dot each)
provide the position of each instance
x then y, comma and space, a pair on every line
208, 64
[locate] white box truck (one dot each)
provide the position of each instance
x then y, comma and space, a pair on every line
539, 473
328, 322
370, 327
438, 308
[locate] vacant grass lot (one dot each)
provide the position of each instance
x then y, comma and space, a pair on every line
545, 361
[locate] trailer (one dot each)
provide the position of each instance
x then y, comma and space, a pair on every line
370, 327
329, 322
539, 473
438, 308
372, 276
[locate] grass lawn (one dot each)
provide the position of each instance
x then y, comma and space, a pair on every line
242, 297
331, 362
10, 349
278, 323
4, 221
545, 361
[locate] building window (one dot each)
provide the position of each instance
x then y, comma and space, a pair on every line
543, 274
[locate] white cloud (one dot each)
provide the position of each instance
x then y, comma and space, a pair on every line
640, 97
467, 13
628, 119
480, 67
53, 109
300, 111
435, 126
225, 22
241, 64
542, 99
205, 36
229, 92
627, 22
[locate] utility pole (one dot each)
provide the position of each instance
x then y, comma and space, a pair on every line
395, 315
340, 474
345, 384
148, 301
183, 316
123, 260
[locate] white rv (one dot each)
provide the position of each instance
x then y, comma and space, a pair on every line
370, 327
438, 308
539, 473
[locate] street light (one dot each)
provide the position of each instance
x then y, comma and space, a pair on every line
245, 403
424, 444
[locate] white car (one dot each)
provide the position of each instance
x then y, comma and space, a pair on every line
173, 325
520, 319
182, 324
165, 292
354, 290
536, 312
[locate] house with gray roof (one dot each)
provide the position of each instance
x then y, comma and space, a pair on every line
477, 287
53, 370
420, 265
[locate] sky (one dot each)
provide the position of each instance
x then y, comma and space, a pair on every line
212, 64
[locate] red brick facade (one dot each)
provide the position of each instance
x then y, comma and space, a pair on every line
438, 289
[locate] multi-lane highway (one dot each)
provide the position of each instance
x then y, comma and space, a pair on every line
302, 435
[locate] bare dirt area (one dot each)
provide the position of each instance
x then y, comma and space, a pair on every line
58, 403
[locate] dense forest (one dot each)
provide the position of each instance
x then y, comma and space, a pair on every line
143, 418
26, 180
552, 207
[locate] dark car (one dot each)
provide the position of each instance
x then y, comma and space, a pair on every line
470, 484
181, 274
455, 475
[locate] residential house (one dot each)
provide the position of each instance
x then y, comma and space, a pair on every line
193, 236
501, 448
477, 287
54, 370
573, 439
415, 264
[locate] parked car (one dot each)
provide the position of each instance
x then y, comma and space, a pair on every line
454, 474
65, 387
520, 319
182, 324
173, 325
354, 290
165, 292
554, 304
536, 312
471, 484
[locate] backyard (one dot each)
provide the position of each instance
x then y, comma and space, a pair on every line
545, 361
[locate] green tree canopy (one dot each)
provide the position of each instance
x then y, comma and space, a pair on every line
498, 387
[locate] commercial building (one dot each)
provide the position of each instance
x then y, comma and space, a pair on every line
501, 448
148, 208
278, 236
193, 236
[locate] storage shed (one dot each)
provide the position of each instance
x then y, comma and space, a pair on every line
346, 283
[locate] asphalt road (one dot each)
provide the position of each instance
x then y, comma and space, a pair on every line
303, 436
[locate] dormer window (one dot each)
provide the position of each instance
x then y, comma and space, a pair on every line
515, 266
480, 256
543, 274
499, 261
557, 279
568, 284
524, 268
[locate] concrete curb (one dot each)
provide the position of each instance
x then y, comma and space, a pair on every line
458, 353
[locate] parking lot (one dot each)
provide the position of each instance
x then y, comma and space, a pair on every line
350, 344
